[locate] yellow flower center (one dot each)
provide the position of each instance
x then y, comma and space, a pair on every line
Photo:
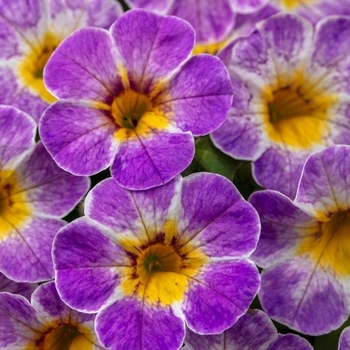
63, 337
14, 210
31, 68
160, 270
298, 114
330, 246
129, 107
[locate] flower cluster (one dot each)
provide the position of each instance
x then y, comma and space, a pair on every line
175, 176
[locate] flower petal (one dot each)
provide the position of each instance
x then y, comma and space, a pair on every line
150, 161
85, 263
131, 324
219, 295
79, 138
151, 46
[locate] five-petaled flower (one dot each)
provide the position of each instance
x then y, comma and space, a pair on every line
291, 96
129, 98
147, 261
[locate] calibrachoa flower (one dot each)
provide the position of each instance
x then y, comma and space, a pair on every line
304, 246
34, 194
253, 331
46, 324
7, 285
130, 99
149, 261
213, 24
29, 33
291, 96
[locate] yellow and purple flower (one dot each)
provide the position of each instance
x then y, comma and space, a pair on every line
29, 33
46, 324
148, 261
291, 96
34, 194
304, 246
131, 99
253, 331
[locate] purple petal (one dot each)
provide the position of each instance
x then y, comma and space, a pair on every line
306, 298
85, 263
131, 324
74, 72
79, 138
49, 189
200, 103
25, 255
290, 342
325, 185
344, 340
151, 46
150, 161
18, 322
252, 331
219, 295
17, 131
25, 289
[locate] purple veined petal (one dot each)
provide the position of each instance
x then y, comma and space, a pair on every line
344, 340
283, 226
17, 132
331, 42
290, 342
49, 189
25, 253
79, 138
140, 215
132, 324
280, 169
247, 6
219, 295
81, 74
86, 264
151, 46
288, 38
324, 184
157, 6
252, 331
211, 23
25, 289
46, 301
306, 297
229, 227
19, 322
199, 102
148, 161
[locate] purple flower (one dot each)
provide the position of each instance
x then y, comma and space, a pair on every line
46, 323
34, 194
130, 99
29, 33
304, 246
291, 96
253, 331
148, 261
